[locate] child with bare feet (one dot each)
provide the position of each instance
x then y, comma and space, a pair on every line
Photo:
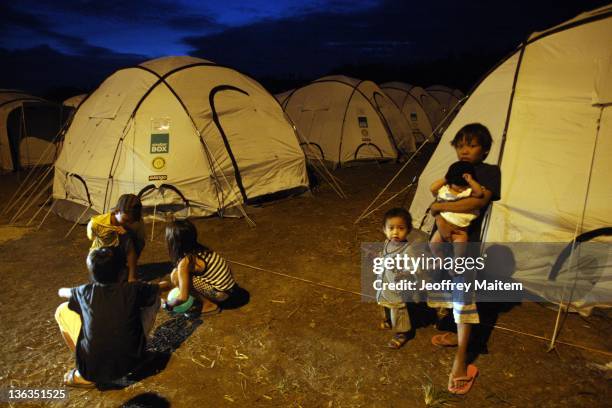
397, 223
198, 270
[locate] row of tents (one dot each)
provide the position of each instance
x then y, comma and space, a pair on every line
183, 130
188, 132
342, 120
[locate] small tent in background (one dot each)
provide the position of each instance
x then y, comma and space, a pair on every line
343, 120
29, 127
411, 108
429, 103
74, 101
447, 98
181, 132
548, 107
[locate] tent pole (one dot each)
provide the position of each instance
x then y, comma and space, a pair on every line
34, 184
240, 206
25, 207
46, 215
153, 225
39, 210
579, 226
361, 216
77, 221
389, 199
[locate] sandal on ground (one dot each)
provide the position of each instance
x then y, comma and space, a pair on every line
397, 341
212, 312
447, 339
72, 379
385, 325
472, 373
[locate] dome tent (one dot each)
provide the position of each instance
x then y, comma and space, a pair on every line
548, 108
29, 126
342, 120
431, 106
446, 97
178, 131
399, 92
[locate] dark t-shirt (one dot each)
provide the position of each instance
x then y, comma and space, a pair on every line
488, 176
112, 341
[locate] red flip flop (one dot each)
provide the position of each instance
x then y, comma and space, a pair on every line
472, 373
447, 339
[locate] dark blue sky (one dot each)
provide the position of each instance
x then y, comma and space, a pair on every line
45, 44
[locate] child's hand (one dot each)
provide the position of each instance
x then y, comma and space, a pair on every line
121, 230
468, 177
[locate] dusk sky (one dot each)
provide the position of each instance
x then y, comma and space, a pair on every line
46, 44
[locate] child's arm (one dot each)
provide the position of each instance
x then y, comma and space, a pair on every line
184, 283
477, 189
464, 205
65, 293
436, 185
164, 285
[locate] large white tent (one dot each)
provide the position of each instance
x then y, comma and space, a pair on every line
179, 131
411, 108
29, 126
343, 120
548, 107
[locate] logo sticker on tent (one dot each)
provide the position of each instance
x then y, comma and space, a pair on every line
160, 143
160, 135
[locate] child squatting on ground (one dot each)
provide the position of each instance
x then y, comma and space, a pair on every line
198, 270
123, 227
397, 224
457, 184
472, 144
106, 322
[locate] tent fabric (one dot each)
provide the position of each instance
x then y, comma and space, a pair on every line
178, 130
446, 97
28, 126
281, 97
411, 108
552, 141
74, 101
343, 120
429, 103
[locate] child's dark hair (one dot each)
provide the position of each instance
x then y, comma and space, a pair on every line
106, 264
474, 131
131, 205
398, 212
182, 241
455, 173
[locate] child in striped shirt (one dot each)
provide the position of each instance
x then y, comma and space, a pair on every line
198, 270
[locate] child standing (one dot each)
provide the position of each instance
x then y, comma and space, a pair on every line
106, 322
472, 144
198, 269
123, 227
457, 184
397, 223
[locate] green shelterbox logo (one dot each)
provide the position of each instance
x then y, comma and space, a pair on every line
160, 143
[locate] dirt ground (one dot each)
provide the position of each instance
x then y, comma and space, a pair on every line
294, 343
